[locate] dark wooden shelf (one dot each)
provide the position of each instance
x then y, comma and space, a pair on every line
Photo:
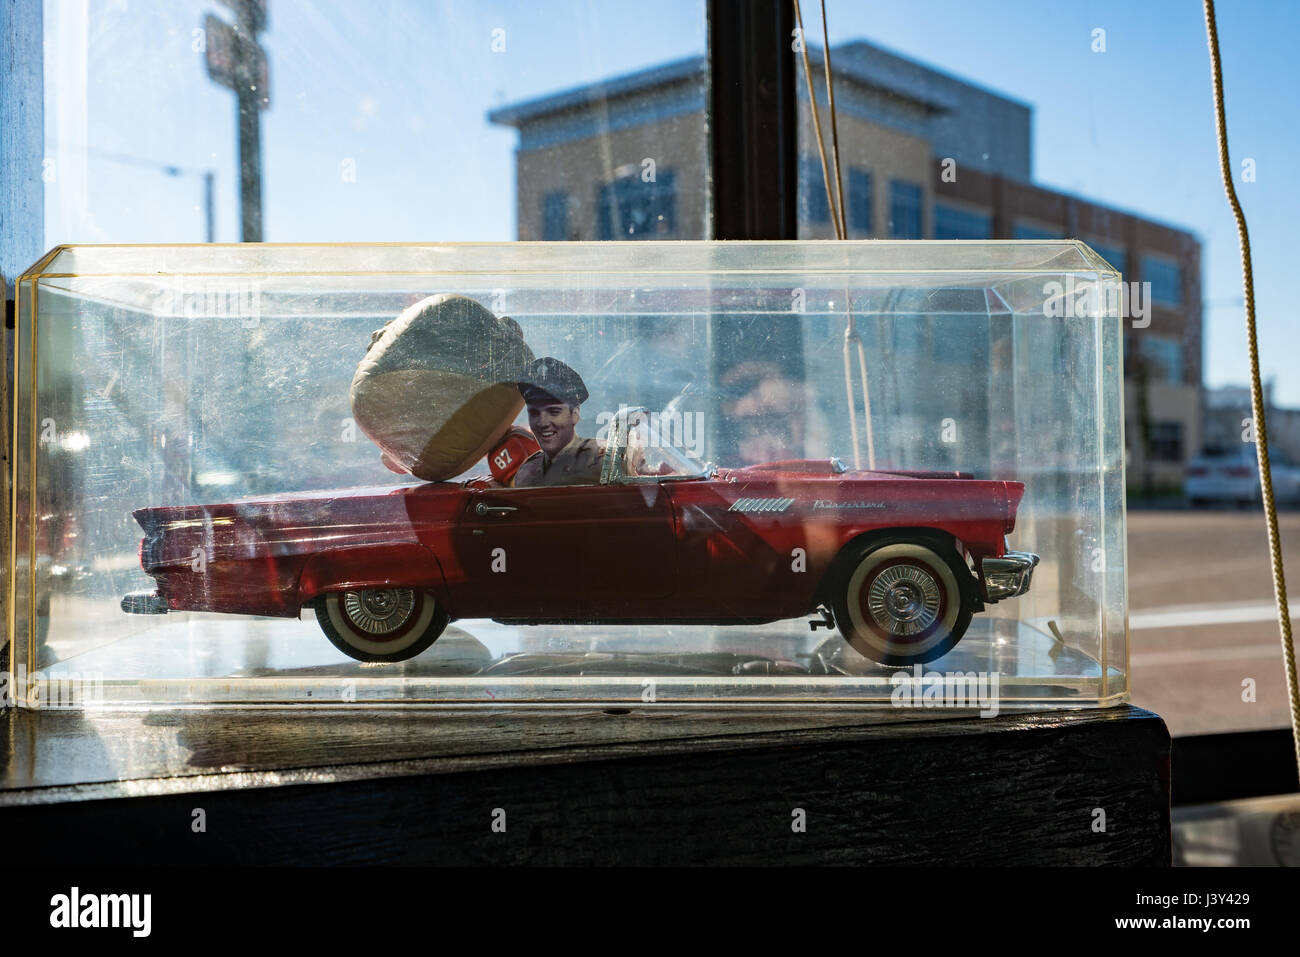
654, 785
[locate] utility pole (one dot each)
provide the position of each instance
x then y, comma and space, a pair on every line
236, 61
209, 213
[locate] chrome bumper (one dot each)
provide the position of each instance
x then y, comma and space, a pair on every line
1008, 576
144, 603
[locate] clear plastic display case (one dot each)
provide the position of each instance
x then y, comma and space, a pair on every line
885, 473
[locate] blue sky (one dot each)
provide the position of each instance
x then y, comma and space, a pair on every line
1133, 127
399, 90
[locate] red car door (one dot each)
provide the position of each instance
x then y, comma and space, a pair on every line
520, 553
631, 554
737, 550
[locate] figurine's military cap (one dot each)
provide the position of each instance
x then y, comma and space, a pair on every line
549, 379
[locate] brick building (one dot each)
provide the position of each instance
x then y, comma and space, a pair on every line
924, 155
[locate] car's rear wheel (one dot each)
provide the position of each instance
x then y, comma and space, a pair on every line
381, 624
902, 601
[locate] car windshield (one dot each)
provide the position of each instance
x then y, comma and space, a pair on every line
647, 445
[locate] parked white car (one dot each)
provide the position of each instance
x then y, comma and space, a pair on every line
1233, 477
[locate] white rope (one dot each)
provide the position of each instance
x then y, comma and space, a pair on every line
835, 200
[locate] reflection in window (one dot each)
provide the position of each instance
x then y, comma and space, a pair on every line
860, 201
1166, 278
631, 208
555, 216
813, 205
951, 222
904, 210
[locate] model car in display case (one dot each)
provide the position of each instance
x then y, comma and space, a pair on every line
898, 560
585, 472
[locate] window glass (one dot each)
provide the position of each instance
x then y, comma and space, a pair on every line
1167, 441
555, 215
904, 210
632, 207
1025, 230
951, 222
859, 202
1164, 358
814, 207
1166, 280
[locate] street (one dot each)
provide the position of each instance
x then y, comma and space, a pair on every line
1201, 618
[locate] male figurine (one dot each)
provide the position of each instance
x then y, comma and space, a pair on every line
553, 392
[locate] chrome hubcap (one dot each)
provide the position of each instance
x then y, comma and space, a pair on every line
904, 600
379, 611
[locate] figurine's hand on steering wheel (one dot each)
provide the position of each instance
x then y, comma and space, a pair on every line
634, 460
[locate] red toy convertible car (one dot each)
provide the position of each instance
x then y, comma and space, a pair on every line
898, 560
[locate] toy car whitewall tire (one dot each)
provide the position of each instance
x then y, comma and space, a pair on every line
902, 603
381, 624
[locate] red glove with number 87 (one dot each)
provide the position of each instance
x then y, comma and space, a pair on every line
515, 446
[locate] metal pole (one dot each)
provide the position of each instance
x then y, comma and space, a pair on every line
247, 99
250, 167
209, 215
754, 164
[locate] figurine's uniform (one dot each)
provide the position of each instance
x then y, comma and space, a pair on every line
578, 463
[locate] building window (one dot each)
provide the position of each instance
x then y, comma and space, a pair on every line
904, 210
1164, 359
1167, 441
1028, 231
1115, 255
631, 208
813, 204
1166, 278
860, 201
555, 216
950, 222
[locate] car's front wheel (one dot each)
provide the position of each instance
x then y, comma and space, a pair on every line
901, 602
381, 624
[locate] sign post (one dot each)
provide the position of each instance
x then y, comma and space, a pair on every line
236, 61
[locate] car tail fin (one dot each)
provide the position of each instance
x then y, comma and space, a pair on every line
150, 519
155, 517
1015, 491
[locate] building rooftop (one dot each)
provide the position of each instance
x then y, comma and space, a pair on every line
980, 128
519, 115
